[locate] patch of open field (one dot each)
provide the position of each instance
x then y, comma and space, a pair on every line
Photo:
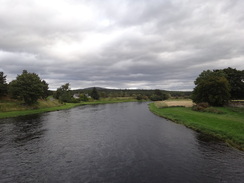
174, 103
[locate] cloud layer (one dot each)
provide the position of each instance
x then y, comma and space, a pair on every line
161, 44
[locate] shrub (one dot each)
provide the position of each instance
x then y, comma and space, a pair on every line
83, 98
200, 106
139, 97
204, 107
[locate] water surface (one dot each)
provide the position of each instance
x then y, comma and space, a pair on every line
112, 143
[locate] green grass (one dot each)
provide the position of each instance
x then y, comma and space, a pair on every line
11, 108
36, 111
228, 127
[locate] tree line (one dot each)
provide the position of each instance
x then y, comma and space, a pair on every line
215, 87
29, 87
146, 94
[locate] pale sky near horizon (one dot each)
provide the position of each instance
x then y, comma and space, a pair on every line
163, 44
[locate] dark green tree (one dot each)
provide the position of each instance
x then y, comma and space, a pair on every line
45, 90
63, 93
158, 92
139, 97
3, 85
27, 86
159, 95
211, 87
236, 80
14, 90
95, 94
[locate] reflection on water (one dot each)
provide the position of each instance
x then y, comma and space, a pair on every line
27, 128
111, 143
21, 130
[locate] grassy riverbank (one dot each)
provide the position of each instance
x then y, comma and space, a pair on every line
228, 127
11, 108
28, 110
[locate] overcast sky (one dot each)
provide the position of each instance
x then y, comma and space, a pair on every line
143, 44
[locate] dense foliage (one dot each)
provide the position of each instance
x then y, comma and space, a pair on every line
63, 93
159, 95
236, 81
3, 85
95, 94
45, 90
28, 87
217, 87
83, 97
140, 94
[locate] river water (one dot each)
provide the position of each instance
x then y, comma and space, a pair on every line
112, 143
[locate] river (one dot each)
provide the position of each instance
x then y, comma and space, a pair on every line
112, 143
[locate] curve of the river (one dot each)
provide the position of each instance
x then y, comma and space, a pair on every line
112, 143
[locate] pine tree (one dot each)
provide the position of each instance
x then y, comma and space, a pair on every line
94, 94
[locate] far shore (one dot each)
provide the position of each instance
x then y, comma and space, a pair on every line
42, 107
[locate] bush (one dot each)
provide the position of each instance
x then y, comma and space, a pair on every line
156, 98
83, 98
65, 97
200, 106
204, 107
139, 97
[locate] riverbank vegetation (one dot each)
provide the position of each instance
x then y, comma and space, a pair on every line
13, 108
227, 125
214, 90
29, 88
28, 94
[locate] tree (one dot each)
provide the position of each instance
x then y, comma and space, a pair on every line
63, 93
158, 95
45, 88
158, 92
139, 97
94, 94
27, 86
14, 90
83, 97
211, 87
236, 80
3, 85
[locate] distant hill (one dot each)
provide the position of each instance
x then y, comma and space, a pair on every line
90, 88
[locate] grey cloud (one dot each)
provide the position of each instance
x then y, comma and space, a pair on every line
121, 44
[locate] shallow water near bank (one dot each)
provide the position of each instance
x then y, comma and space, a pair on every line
115, 143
